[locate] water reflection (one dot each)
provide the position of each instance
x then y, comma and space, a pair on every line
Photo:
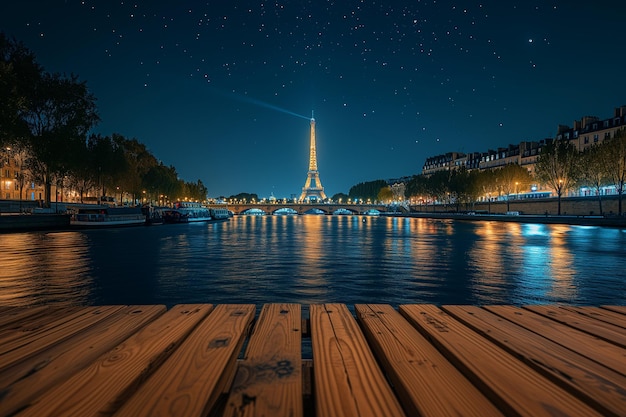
44, 268
313, 259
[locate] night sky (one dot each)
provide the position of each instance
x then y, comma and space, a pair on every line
215, 88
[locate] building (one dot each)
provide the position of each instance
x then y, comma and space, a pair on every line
590, 130
445, 162
313, 189
586, 132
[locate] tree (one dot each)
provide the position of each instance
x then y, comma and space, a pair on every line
439, 186
245, 196
512, 178
340, 197
486, 185
367, 190
593, 172
161, 180
558, 167
385, 195
614, 157
107, 162
139, 160
59, 114
19, 73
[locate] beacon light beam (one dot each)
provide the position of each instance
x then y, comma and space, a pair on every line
271, 106
246, 99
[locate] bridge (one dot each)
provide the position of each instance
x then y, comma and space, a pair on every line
301, 208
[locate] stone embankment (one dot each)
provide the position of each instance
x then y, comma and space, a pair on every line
574, 210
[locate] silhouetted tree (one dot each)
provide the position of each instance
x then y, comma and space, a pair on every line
558, 167
512, 178
19, 76
593, 173
385, 195
367, 190
340, 196
614, 157
59, 115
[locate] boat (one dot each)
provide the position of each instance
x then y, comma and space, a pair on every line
187, 212
219, 214
154, 215
105, 216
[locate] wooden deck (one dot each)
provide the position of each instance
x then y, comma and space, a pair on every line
373, 360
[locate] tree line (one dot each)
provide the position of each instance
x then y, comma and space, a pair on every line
560, 167
45, 120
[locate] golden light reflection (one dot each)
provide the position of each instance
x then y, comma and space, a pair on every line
311, 274
486, 258
531, 261
39, 268
562, 266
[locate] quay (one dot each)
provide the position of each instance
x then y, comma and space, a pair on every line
369, 360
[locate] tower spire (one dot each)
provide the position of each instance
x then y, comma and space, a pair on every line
313, 186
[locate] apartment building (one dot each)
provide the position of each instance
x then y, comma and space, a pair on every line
590, 130
585, 132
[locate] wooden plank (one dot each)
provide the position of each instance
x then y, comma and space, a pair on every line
598, 328
348, 381
427, 384
605, 353
601, 314
53, 333
13, 316
33, 322
597, 385
514, 387
617, 309
192, 379
29, 378
102, 387
268, 381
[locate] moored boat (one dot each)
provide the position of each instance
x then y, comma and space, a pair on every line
187, 212
154, 215
219, 213
104, 216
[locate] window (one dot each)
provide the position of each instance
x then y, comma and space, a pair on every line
595, 138
586, 140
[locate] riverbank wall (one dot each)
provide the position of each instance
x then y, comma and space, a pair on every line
27, 222
570, 206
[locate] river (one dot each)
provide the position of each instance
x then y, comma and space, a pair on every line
315, 259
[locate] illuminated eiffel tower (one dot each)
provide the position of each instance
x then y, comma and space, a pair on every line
313, 188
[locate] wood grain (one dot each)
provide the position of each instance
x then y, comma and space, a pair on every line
598, 386
102, 387
268, 381
190, 381
40, 337
31, 377
599, 350
601, 329
514, 387
348, 381
428, 385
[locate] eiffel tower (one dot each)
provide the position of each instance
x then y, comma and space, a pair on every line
313, 188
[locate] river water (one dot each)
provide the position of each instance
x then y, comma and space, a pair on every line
315, 259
